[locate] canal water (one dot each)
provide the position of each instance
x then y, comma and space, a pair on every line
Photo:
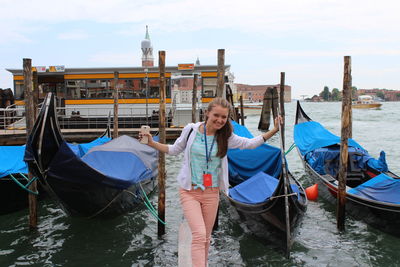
131, 240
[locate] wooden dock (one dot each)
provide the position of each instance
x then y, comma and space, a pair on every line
18, 137
184, 246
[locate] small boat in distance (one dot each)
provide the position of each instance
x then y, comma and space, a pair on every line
366, 101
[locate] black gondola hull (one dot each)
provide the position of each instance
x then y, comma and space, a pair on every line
13, 198
95, 200
383, 216
267, 220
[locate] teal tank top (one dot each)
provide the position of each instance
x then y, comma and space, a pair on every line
198, 163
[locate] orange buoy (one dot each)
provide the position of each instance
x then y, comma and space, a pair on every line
312, 192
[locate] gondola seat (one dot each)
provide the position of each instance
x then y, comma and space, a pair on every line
256, 189
380, 188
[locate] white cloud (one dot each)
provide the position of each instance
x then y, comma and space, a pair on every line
115, 59
73, 35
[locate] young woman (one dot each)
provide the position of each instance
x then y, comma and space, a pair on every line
205, 169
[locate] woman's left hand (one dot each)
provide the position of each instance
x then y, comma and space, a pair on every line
278, 120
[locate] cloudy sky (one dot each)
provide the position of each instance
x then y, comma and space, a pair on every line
306, 39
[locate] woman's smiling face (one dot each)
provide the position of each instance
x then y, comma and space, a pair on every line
216, 118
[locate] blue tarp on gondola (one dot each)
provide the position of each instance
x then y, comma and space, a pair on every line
12, 160
325, 160
81, 149
248, 162
257, 189
119, 163
316, 143
312, 135
380, 188
12, 157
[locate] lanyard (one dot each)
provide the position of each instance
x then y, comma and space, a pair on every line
208, 155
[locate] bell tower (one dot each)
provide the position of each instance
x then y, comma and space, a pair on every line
147, 51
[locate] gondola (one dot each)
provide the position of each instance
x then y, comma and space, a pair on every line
257, 192
14, 180
109, 180
371, 189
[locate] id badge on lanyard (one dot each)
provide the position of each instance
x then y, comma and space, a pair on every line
207, 176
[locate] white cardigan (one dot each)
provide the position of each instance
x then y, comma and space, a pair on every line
183, 144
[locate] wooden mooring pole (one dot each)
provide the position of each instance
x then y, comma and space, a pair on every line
194, 98
282, 105
270, 100
161, 161
35, 94
241, 110
115, 126
30, 115
345, 134
220, 73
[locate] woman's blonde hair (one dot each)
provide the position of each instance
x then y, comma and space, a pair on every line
223, 134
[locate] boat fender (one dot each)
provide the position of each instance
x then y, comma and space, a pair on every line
312, 192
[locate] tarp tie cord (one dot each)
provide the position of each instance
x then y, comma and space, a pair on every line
25, 187
150, 207
290, 148
291, 194
101, 210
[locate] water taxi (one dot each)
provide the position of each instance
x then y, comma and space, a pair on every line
366, 101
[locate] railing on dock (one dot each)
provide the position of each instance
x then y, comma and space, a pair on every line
12, 119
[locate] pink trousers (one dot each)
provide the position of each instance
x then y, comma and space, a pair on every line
200, 210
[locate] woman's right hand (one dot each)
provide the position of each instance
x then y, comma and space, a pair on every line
149, 138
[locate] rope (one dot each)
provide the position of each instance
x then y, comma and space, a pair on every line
25, 187
288, 195
150, 207
290, 148
147, 199
101, 210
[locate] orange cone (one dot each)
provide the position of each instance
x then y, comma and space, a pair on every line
312, 192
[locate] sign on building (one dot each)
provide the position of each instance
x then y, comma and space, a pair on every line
39, 68
56, 68
185, 66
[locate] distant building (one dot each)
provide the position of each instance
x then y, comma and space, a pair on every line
389, 95
316, 98
255, 93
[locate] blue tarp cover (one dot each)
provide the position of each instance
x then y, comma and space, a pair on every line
313, 140
118, 163
123, 166
312, 135
248, 162
319, 159
255, 189
12, 160
380, 188
12, 157
81, 149
379, 164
